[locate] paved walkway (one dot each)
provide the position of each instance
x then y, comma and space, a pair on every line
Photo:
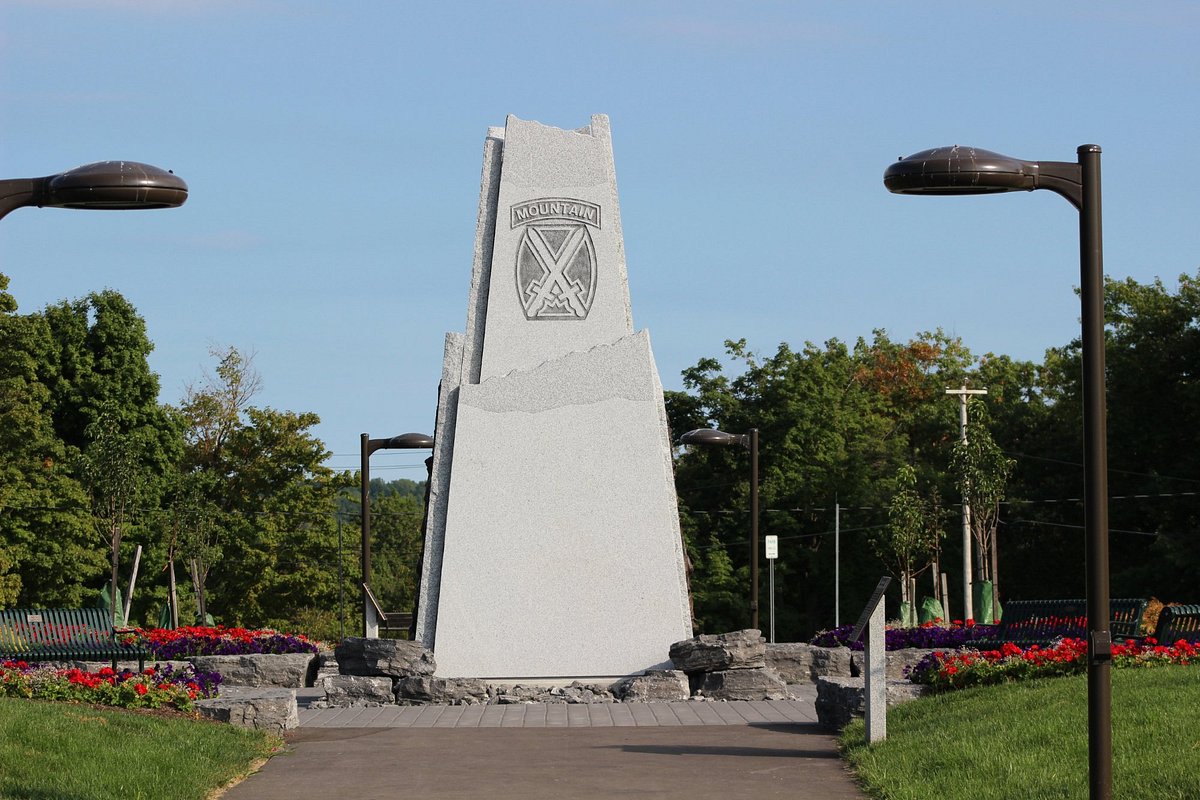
646, 750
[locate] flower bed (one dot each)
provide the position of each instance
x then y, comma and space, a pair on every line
929, 635
154, 688
943, 671
174, 644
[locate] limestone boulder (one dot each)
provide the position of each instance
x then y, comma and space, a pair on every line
396, 658
654, 685
421, 689
272, 710
841, 699
358, 690
744, 649
898, 662
288, 670
744, 684
798, 662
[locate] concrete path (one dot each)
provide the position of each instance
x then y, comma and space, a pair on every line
646, 750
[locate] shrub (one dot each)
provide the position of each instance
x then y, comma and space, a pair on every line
168, 645
154, 688
928, 635
943, 671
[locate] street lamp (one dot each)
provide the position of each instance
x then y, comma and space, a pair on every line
708, 436
967, 170
113, 185
405, 441
109, 185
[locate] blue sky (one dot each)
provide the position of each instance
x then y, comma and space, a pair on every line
333, 153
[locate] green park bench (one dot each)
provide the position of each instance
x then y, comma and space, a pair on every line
1040, 622
62, 634
1178, 622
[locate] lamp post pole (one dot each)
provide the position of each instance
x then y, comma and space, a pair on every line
967, 170
749, 440
367, 446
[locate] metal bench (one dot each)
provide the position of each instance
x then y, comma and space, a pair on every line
1040, 622
389, 620
1178, 622
62, 634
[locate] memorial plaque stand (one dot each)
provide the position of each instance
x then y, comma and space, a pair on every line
874, 663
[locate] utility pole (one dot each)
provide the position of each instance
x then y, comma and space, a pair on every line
968, 607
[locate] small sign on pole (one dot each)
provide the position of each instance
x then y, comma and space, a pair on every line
772, 545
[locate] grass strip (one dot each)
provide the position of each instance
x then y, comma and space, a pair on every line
65, 751
1029, 740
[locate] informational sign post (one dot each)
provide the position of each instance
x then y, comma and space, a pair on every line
874, 664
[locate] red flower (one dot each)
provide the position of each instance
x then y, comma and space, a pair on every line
141, 688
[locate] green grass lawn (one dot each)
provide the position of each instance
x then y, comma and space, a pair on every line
1029, 741
62, 751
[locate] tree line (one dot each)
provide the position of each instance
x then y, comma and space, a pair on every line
869, 430
231, 503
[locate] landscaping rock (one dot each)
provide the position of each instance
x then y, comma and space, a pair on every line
271, 710
655, 685
744, 684
897, 662
707, 653
397, 658
327, 665
289, 671
841, 699
797, 662
421, 689
357, 690
579, 693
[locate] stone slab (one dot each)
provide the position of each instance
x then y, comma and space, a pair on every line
272, 710
287, 670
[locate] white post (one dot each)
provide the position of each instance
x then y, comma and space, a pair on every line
137, 559
772, 547
837, 564
968, 607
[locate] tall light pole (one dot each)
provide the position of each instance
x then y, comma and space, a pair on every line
405, 441
708, 436
968, 170
105, 185
968, 577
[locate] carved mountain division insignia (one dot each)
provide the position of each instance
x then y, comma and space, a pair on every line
556, 259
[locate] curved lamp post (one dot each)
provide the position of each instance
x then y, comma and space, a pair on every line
113, 185
708, 436
109, 185
967, 170
405, 441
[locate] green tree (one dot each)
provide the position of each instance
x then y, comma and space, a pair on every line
111, 474
835, 424
981, 474
909, 540
272, 540
47, 546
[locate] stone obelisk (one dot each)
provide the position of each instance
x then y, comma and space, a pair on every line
553, 547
